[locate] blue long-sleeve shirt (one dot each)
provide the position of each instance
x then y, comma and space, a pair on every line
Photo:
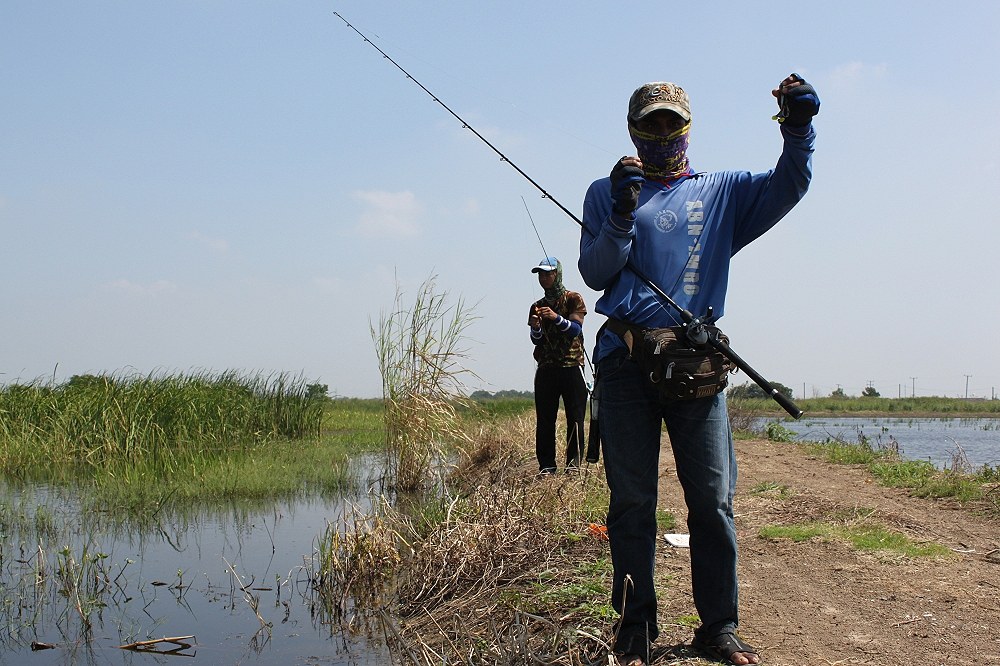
684, 236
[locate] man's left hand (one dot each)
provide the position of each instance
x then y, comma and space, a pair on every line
798, 101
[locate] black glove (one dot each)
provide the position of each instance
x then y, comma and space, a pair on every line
626, 181
798, 105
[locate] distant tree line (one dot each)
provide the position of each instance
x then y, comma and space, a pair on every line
747, 391
752, 391
507, 393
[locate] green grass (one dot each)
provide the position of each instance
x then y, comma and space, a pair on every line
864, 536
357, 425
691, 621
778, 433
134, 445
920, 477
771, 488
665, 521
496, 409
846, 453
32, 524
584, 590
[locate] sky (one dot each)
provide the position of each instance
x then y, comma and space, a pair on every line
209, 185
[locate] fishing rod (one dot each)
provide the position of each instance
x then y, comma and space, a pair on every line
694, 326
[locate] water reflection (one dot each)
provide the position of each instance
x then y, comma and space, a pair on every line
237, 576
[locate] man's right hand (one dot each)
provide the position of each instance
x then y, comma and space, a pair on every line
545, 312
627, 178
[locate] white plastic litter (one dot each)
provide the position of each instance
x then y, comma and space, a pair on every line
678, 540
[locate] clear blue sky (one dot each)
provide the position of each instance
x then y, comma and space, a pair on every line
212, 185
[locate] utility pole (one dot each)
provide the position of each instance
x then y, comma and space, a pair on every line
967, 386
913, 391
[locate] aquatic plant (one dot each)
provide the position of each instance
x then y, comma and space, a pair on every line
95, 420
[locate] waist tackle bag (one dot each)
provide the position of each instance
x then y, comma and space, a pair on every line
669, 361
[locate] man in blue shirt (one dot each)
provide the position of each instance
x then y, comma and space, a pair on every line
679, 228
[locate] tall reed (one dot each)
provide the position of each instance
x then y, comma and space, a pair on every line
92, 420
420, 354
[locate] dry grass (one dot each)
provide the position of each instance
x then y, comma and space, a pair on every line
489, 565
504, 569
420, 351
510, 574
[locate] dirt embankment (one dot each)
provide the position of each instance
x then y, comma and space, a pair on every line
824, 602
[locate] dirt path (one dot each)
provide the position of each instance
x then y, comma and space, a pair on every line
822, 601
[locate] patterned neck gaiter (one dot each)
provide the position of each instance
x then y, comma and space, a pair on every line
556, 291
663, 157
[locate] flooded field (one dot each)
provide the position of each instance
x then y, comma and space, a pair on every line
937, 440
237, 579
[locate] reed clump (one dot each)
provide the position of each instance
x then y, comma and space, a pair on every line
496, 567
420, 354
509, 575
92, 421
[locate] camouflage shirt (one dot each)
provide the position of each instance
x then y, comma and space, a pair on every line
556, 348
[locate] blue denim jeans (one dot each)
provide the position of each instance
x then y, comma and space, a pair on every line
631, 414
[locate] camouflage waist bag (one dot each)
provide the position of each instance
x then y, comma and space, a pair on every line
669, 362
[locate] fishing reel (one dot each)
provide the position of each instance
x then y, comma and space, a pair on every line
696, 328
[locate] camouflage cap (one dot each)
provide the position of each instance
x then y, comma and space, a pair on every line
657, 95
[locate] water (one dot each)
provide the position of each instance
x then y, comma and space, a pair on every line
186, 576
935, 440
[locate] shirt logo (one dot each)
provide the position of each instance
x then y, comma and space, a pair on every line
665, 221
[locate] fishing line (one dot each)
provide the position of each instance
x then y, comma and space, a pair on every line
694, 326
466, 125
537, 235
590, 385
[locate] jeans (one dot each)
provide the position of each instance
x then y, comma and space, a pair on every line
551, 383
630, 416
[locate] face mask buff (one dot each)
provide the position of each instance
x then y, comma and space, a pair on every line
556, 291
663, 157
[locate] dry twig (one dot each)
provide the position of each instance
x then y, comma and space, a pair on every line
180, 641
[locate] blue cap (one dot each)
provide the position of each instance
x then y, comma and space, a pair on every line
546, 264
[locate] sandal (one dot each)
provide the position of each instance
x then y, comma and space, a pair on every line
724, 646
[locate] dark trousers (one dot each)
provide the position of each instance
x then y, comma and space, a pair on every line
552, 383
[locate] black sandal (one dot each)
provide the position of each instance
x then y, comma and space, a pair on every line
724, 646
